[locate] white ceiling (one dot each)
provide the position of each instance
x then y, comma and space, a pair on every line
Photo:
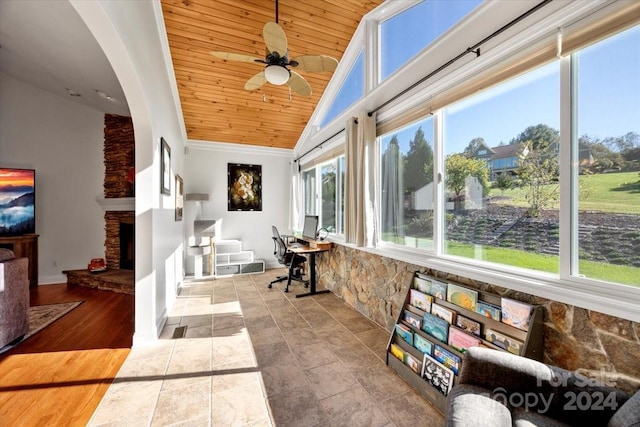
46, 44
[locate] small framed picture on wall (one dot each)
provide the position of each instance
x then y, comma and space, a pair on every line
179, 197
165, 167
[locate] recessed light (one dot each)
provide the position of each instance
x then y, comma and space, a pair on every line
72, 92
101, 94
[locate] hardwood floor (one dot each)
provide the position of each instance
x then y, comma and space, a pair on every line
58, 376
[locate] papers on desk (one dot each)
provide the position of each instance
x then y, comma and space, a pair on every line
296, 245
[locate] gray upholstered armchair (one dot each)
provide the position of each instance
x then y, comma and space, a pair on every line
14, 298
497, 388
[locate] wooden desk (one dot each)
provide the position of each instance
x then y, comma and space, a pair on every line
311, 250
24, 246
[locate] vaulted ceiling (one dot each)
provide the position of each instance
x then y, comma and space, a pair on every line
215, 105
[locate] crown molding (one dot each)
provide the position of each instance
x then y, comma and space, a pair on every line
238, 148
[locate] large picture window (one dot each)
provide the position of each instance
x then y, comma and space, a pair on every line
501, 173
608, 153
406, 186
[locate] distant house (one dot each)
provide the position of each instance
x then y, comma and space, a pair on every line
504, 158
500, 159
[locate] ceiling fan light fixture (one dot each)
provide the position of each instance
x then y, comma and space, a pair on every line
277, 74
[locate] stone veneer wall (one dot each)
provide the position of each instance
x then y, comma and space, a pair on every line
119, 158
119, 152
606, 347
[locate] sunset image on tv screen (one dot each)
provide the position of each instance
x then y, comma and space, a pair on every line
17, 201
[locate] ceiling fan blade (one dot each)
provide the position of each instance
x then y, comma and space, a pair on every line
316, 63
298, 84
275, 38
228, 56
256, 81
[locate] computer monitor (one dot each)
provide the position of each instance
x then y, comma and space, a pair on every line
310, 227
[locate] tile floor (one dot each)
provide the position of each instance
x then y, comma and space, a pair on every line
254, 356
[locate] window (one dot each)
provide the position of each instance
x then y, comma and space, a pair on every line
608, 152
326, 196
514, 219
352, 89
309, 189
407, 33
406, 186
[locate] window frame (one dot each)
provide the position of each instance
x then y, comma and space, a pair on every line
611, 298
317, 166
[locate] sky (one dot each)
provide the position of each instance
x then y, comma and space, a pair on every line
608, 85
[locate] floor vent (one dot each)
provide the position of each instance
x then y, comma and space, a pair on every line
179, 332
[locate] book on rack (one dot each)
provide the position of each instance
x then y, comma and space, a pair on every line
503, 341
468, 325
404, 332
462, 297
412, 319
420, 300
447, 358
398, 352
438, 289
443, 312
413, 363
461, 341
435, 326
422, 284
488, 310
436, 374
516, 313
422, 344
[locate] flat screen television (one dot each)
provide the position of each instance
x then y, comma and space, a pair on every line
310, 227
17, 201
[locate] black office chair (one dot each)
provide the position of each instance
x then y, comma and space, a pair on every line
293, 262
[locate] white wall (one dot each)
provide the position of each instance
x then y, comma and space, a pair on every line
133, 38
63, 141
206, 172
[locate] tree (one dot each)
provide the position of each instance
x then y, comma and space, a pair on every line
538, 135
329, 197
503, 182
473, 146
458, 168
538, 171
418, 170
604, 158
391, 195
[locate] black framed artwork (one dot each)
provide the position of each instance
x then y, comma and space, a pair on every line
165, 167
245, 187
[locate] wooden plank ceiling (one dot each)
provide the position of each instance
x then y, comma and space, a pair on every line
214, 103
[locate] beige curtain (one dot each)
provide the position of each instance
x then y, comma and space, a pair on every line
360, 213
295, 189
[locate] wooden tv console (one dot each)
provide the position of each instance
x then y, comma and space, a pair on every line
24, 246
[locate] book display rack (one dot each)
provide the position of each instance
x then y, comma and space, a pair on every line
440, 319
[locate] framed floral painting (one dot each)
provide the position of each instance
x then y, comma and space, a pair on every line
245, 187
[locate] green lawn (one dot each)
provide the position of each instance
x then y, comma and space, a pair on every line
548, 263
611, 192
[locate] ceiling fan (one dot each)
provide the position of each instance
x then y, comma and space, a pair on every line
277, 62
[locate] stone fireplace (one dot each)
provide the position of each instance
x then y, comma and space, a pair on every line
119, 207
